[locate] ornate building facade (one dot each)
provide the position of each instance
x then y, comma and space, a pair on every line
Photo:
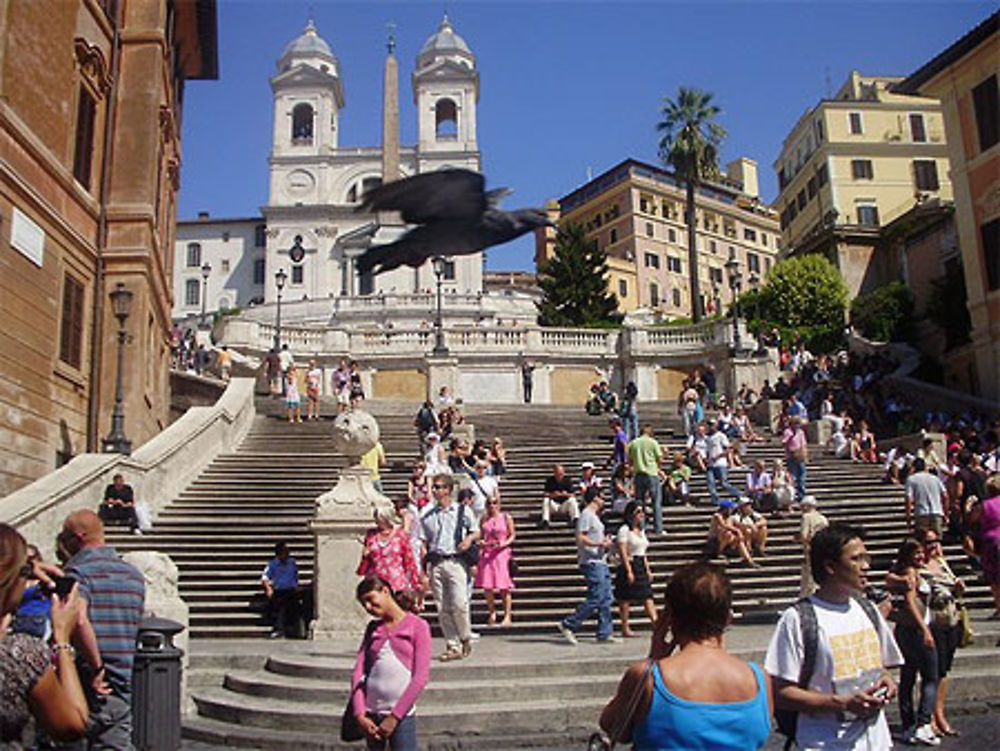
91, 98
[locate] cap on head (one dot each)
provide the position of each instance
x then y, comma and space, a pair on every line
744, 501
809, 500
587, 465
727, 503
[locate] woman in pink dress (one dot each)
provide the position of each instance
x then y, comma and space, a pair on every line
493, 574
388, 554
989, 539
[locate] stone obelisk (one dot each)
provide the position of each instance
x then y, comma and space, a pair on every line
390, 113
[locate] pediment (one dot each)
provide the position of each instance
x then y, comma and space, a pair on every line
446, 69
304, 75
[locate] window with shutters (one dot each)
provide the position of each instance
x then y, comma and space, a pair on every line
671, 235
861, 169
753, 262
71, 325
990, 233
83, 149
652, 261
674, 264
193, 255
649, 229
917, 130
192, 292
854, 118
986, 101
925, 174
868, 216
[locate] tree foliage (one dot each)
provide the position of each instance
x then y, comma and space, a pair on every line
574, 283
689, 144
803, 297
884, 314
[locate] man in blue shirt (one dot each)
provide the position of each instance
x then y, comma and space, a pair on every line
281, 585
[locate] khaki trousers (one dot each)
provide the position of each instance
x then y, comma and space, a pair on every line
449, 583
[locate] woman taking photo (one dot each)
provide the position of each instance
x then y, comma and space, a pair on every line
493, 572
692, 694
38, 678
946, 622
911, 612
633, 579
391, 670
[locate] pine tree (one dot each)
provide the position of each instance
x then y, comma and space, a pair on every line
574, 283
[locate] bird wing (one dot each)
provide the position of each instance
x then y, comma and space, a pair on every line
450, 194
421, 243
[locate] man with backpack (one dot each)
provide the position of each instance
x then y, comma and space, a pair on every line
829, 655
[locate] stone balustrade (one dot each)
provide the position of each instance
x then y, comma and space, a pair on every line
158, 470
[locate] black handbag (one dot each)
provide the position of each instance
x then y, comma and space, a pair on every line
350, 728
469, 557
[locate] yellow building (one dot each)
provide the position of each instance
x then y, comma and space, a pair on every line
965, 79
854, 163
635, 214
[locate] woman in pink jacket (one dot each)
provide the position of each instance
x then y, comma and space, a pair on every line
391, 670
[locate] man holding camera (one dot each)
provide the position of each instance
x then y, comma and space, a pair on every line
113, 593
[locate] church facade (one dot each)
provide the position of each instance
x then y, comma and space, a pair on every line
310, 228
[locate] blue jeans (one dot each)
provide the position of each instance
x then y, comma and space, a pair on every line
797, 468
599, 598
919, 659
650, 485
403, 738
717, 476
630, 424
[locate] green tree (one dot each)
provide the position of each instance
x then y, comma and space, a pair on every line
885, 314
689, 144
574, 283
804, 296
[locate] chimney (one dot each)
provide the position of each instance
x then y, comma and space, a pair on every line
202, 216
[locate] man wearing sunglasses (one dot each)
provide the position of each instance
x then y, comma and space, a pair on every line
448, 531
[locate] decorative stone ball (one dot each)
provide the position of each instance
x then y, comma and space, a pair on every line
355, 433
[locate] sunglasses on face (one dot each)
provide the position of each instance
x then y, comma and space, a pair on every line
27, 571
440, 487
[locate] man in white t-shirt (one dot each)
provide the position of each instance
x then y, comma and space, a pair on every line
717, 472
841, 707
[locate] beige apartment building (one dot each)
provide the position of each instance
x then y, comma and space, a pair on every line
965, 78
635, 214
853, 164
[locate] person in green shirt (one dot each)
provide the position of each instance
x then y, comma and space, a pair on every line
645, 455
678, 481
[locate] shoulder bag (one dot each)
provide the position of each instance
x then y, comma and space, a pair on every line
599, 741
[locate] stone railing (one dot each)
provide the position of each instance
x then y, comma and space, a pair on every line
159, 470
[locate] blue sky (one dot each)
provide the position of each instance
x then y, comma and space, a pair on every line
566, 87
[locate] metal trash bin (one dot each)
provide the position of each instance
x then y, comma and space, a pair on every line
156, 686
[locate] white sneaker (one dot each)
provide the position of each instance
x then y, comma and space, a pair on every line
568, 635
475, 636
925, 736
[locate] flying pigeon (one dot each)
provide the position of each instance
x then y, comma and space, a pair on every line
454, 214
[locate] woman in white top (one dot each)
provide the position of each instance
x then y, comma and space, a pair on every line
634, 577
784, 487
435, 460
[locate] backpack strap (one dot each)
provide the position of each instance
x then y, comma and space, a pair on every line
459, 525
810, 640
871, 612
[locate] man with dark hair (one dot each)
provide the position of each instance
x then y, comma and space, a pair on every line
113, 593
592, 548
425, 422
560, 497
119, 504
280, 579
830, 652
926, 499
645, 455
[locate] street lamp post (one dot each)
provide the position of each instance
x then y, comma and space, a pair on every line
280, 278
116, 442
440, 349
755, 286
735, 284
206, 269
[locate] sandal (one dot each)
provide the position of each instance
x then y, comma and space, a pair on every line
450, 656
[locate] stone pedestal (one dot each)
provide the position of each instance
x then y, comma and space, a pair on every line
342, 516
442, 371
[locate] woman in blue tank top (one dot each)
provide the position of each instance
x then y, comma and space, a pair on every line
692, 694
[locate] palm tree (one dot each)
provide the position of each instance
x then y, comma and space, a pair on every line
689, 144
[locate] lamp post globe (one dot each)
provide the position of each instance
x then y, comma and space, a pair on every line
440, 348
280, 277
121, 306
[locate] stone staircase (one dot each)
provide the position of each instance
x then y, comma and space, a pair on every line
222, 528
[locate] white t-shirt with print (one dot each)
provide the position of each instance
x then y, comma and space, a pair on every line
850, 657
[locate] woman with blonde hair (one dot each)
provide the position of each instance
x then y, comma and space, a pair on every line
39, 680
388, 554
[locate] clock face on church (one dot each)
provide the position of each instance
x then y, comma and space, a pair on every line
299, 182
